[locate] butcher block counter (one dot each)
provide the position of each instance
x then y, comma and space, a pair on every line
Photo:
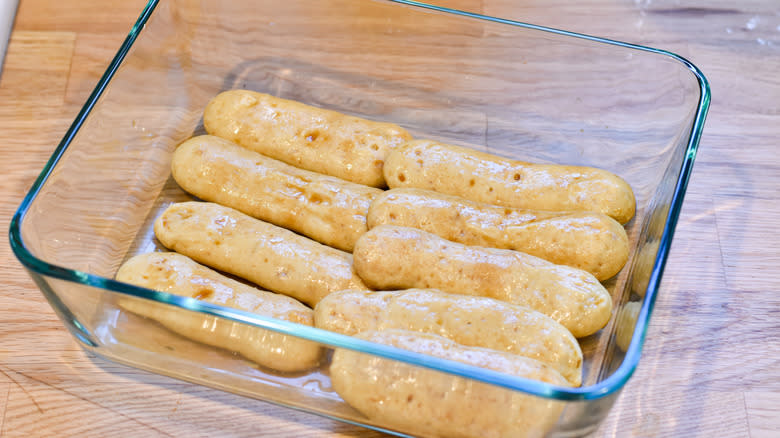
711, 360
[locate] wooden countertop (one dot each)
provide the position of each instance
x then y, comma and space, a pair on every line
711, 363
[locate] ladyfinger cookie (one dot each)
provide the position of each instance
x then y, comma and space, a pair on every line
327, 209
484, 177
590, 241
269, 256
388, 257
423, 402
304, 136
179, 275
467, 320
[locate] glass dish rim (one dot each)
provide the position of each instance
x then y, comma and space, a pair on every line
601, 389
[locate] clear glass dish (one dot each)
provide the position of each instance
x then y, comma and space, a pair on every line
514, 89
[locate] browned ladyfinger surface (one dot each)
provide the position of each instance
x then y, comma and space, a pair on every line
467, 320
424, 402
179, 275
590, 241
304, 136
484, 177
327, 209
388, 257
269, 256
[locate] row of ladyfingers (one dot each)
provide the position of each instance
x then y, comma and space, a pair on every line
469, 272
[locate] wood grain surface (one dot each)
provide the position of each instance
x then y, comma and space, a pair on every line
711, 362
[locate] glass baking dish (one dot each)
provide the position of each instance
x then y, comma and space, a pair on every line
514, 89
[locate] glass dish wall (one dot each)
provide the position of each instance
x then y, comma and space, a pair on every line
511, 89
